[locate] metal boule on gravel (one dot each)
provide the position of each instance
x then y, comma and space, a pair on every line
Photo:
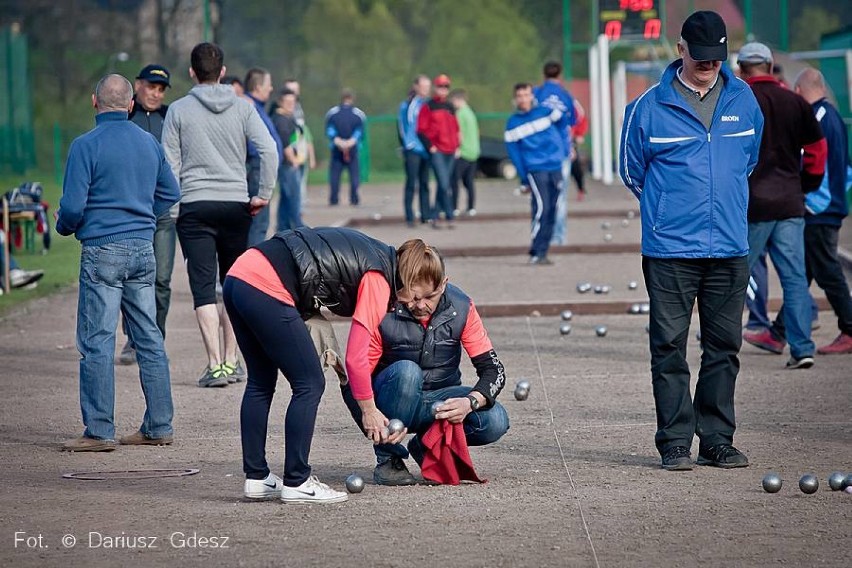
632, 285
566, 315
395, 426
523, 384
608, 237
354, 483
435, 407
772, 483
583, 287
847, 483
645, 308
631, 214
600, 331
809, 484
634, 309
835, 480
521, 394
606, 289
606, 225
598, 289
625, 222
377, 216
565, 329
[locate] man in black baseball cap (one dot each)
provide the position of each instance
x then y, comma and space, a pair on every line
149, 113
705, 34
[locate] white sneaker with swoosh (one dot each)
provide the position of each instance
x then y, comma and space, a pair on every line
312, 491
267, 488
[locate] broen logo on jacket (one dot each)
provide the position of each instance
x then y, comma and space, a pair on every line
732, 118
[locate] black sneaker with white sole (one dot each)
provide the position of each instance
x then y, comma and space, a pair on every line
805, 362
722, 455
677, 458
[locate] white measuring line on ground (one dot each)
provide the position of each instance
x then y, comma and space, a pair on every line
559, 444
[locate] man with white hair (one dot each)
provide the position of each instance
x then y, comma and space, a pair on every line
111, 204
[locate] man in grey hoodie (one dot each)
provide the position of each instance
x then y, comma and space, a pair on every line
204, 138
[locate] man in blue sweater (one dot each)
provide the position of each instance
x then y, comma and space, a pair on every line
416, 157
536, 146
111, 204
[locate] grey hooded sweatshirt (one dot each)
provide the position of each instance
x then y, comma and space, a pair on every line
204, 138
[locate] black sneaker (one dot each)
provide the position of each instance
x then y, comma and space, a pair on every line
540, 260
393, 472
677, 459
722, 455
805, 362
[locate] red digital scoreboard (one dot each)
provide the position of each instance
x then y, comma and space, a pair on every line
634, 18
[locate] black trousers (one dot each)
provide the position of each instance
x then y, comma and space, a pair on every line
823, 265
464, 172
673, 286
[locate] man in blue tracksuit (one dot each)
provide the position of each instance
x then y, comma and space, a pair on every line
344, 126
688, 145
536, 146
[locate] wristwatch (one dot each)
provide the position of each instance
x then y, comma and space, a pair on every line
474, 402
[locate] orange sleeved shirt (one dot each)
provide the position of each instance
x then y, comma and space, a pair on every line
371, 306
253, 268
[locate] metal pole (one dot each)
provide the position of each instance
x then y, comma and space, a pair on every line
606, 109
595, 111
747, 17
566, 40
206, 20
619, 97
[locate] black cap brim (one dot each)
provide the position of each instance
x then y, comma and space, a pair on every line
708, 52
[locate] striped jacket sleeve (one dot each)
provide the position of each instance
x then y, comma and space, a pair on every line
632, 165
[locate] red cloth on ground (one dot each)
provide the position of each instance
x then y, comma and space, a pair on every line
447, 460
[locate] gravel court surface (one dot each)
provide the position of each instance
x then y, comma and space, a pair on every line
528, 514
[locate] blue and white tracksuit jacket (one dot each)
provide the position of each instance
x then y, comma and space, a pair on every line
554, 96
692, 184
407, 126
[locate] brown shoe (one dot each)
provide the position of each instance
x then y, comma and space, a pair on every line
86, 444
139, 439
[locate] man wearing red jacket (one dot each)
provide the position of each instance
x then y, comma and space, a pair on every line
791, 163
438, 130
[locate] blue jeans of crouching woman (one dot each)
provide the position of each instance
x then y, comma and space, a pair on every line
119, 277
398, 391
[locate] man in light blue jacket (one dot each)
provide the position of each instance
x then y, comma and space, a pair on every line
417, 162
688, 145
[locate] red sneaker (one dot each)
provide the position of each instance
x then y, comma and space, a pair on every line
841, 345
763, 339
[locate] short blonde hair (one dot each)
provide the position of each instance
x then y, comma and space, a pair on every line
419, 263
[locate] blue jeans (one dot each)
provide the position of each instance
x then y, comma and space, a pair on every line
119, 278
443, 165
290, 206
416, 176
336, 165
561, 218
260, 222
758, 317
785, 242
545, 188
399, 393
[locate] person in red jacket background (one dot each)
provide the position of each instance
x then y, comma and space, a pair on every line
438, 130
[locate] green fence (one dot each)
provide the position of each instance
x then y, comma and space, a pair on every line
17, 144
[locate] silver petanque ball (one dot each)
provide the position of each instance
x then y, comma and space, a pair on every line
524, 384
631, 214
354, 483
385, 432
583, 287
606, 289
606, 225
600, 331
632, 285
377, 216
521, 394
435, 407
565, 329
634, 309
772, 483
645, 308
624, 222
608, 237
809, 484
835, 481
567, 315
599, 289
395, 426
847, 483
